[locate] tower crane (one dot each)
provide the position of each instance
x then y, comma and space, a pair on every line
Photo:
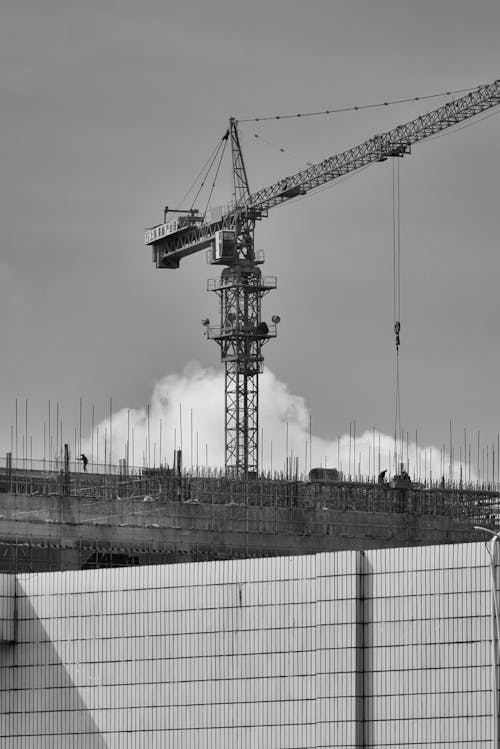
228, 234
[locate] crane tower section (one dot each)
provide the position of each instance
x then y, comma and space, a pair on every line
240, 334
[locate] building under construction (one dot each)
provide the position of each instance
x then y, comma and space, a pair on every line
61, 520
67, 519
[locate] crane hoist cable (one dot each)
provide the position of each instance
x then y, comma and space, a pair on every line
396, 266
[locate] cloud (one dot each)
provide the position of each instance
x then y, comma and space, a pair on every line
186, 411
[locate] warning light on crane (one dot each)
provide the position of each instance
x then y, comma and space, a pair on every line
228, 234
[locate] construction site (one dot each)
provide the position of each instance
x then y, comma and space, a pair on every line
57, 517
62, 520
208, 570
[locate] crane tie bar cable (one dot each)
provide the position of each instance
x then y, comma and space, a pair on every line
355, 108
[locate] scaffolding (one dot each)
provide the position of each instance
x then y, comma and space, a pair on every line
57, 520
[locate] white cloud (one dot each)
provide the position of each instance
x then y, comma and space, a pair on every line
187, 410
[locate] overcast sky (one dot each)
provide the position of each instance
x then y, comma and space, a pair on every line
109, 110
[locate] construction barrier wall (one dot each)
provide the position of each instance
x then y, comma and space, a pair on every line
347, 649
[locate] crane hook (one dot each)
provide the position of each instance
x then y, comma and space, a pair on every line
397, 328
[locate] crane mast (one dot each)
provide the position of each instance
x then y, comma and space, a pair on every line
228, 233
240, 333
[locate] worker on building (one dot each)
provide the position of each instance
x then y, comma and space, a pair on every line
405, 477
381, 476
85, 461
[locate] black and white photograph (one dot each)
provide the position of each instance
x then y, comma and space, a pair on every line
250, 355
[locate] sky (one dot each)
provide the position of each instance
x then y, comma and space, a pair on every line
108, 112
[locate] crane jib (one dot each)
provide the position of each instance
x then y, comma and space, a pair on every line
189, 234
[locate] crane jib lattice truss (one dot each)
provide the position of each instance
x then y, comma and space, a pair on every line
228, 232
